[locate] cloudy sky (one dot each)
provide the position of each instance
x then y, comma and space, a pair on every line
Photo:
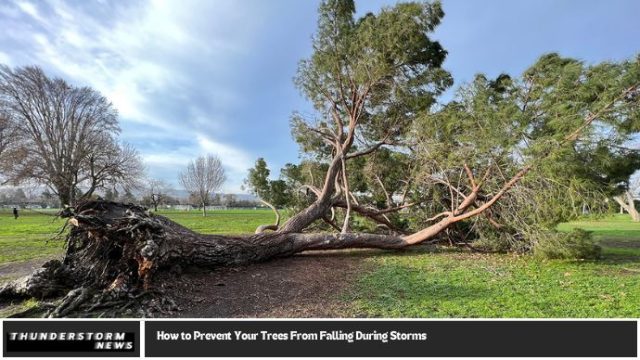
215, 76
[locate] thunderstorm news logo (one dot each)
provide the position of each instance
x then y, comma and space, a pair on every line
100, 340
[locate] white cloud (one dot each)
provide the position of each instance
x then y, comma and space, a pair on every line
30, 9
234, 159
163, 64
168, 164
5, 58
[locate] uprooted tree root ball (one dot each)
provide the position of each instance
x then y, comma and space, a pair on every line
111, 254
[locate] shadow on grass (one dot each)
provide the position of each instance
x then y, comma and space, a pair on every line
618, 259
620, 243
374, 253
620, 251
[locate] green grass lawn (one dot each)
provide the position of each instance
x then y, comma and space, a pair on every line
221, 221
443, 283
455, 284
30, 236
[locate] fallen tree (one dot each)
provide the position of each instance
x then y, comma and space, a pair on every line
114, 250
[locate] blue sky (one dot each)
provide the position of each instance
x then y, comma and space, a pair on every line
195, 77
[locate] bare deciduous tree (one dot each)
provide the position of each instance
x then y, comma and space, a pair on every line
156, 192
68, 135
8, 140
202, 177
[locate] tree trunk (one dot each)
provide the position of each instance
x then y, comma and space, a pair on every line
114, 250
64, 195
627, 203
204, 209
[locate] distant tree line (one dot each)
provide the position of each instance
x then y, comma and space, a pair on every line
16, 196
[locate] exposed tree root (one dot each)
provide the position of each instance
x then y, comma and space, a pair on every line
111, 254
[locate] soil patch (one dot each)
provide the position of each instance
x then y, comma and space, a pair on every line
312, 284
17, 269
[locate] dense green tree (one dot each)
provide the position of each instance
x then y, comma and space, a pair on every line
368, 79
563, 124
258, 180
394, 159
273, 193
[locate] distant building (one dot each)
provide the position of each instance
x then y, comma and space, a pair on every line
217, 207
183, 207
34, 206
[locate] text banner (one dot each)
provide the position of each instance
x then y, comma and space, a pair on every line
391, 338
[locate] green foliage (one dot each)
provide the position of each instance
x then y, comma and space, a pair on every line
381, 70
389, 52
258, 178
577, 244
497, 126
565, 119
297, 176
275, 192
500, 241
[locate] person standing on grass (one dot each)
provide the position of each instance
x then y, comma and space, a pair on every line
15, 213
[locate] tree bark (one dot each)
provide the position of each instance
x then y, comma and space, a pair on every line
275, 226
65, 196
627, 203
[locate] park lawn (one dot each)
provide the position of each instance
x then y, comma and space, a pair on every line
461, 284
31, 236
615, 233
228, 222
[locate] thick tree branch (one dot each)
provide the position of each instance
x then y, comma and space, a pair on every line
273, 227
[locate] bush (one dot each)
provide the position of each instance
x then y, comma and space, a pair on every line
578, 244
